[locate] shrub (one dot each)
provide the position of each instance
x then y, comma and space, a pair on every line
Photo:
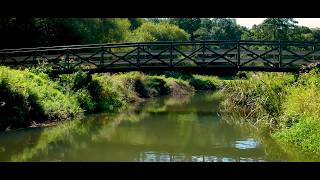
26, 96
159, 32
305, 134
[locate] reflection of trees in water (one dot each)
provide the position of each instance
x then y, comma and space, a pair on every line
297, 155
12, 141
49, 138
67, 134
96, 127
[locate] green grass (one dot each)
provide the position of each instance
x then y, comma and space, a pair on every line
27, 96
284, 104
305, 134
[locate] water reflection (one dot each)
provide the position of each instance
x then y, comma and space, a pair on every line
246, 144
166, 157
165, 129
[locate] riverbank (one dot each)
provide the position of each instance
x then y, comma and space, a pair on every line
30, 98
282, 104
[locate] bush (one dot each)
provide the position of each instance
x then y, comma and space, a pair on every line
26, 96
304, 134
85, 100
159, 32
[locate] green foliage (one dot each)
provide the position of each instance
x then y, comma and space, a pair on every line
203, 34
159, 32
199, 82
26, 96
287, 105
219, 29
177, 87
259, 98
32, 32
85, 100
281, 29
135, 23
157, 86
304, 134
190, 25
103, 92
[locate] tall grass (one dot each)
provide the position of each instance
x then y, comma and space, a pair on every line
285, 104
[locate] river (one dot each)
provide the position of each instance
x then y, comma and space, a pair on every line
161, 129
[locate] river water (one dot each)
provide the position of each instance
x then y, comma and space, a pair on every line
162, 129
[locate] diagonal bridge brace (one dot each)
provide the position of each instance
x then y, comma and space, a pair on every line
188, 56
9, 57
157, 56
258, 56
299, 56
221, 55
120, 57
83, 59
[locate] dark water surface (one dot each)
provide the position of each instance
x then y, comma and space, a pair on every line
161, 129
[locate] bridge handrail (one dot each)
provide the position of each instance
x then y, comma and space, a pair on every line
135, 44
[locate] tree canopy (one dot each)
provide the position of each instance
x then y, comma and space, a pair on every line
32, 32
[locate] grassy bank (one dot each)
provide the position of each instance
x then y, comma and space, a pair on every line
31, 98
286, 105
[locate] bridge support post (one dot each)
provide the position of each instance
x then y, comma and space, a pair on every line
313, 50
138, 55
67, 65
238, 55
280, 55
171, 56
203, 50
34, 59
102, 57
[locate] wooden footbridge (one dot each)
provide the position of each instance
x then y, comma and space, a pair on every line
192, 56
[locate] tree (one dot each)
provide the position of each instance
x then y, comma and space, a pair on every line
219, 29
316, 34
202, 34
225, 29
190, 25
135, 23
279, 27
159, 32
15, 32
300, 33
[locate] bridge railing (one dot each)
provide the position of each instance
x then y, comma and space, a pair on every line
236, 54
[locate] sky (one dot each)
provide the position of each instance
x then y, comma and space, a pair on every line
309, 22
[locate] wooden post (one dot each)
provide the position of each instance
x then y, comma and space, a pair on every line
313, 49
138, 54
203, 50
238, 54
67, 65
102, 56
171, 56
280, 54
34, 58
